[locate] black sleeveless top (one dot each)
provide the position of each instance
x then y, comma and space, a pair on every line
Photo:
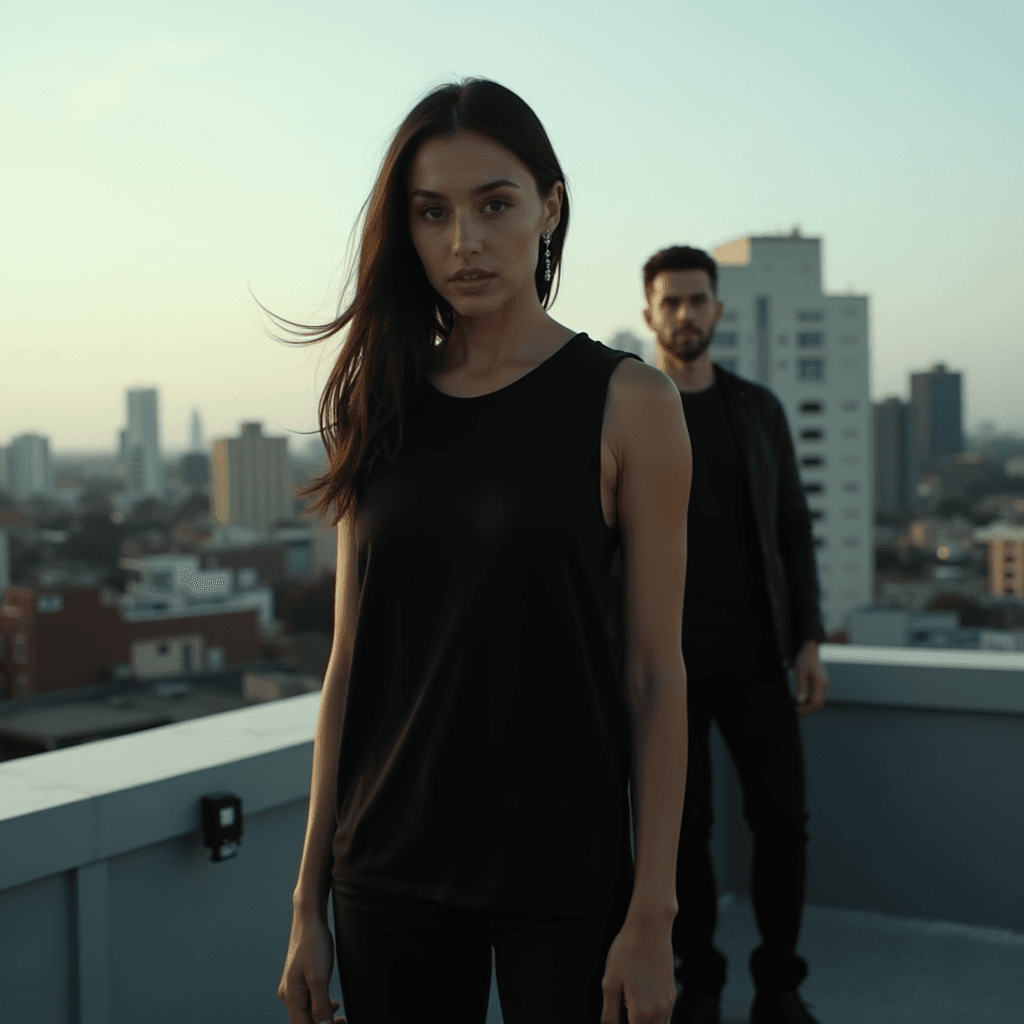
485, 749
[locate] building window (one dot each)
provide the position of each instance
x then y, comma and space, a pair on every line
783, 364
851, 513
727, 339
728, 318
811, 369
810, 339
851, 432
783, 340
812, 460
810, 316
851, 485
812, 435
850, 406
814, 488
727, 364
808, 408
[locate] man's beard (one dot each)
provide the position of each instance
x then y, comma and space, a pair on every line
692, 354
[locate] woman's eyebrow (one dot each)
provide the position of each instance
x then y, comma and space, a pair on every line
427, 194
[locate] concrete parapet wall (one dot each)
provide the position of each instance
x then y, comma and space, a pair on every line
111, 911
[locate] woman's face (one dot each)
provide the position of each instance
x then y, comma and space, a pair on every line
473, 206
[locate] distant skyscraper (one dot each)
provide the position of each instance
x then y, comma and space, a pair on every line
937, 396
896, 463
195, 470
195, 432
811, 350
30, 469
5, 563
143, 472
252, 482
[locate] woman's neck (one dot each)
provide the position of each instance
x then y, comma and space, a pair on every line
511, 333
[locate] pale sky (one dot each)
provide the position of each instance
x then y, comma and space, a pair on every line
159, 158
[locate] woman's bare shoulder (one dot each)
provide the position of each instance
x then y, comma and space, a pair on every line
640, 398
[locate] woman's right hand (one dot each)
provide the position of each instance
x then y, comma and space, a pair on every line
307, 971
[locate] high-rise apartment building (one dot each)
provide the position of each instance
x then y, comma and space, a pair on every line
811, 349
29, 467
896, 462
937, 395
252, 480
626, 341
141, 445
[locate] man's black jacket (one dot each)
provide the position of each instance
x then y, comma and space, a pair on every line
780, 511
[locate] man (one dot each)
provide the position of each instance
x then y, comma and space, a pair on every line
750, 616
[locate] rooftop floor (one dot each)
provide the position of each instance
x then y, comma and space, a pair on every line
866, 967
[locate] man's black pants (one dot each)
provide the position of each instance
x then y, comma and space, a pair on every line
756, 715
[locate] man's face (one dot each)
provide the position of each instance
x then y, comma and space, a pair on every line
682, 312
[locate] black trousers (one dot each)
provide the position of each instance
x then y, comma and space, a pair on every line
405, 960
756, 715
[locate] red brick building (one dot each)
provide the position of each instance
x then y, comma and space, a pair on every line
59, 638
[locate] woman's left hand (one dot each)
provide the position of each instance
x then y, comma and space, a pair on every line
640, 968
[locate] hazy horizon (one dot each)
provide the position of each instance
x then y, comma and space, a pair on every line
163, 159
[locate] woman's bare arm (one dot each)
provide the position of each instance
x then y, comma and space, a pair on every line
313, 886
655, 466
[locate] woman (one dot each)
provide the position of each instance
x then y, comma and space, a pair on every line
475, 738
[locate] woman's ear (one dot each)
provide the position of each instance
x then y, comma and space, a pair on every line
553, 207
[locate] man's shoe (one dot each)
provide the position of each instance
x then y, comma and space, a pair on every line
698, 1008
779, 1008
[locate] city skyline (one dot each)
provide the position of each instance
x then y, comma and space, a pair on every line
159, 167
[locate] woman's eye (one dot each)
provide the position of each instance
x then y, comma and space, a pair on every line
502, 203
426, 210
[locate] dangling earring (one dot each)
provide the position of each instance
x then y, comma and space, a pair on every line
547, 255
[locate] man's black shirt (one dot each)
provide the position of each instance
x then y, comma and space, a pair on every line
727, 624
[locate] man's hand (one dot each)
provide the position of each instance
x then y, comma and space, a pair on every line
811, 680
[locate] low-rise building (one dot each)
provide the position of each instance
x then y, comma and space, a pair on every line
902, 627
1005, 558
947, 539
174, 619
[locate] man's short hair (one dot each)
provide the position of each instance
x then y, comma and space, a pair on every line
680, 257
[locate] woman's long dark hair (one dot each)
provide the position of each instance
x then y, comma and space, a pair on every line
396, 317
